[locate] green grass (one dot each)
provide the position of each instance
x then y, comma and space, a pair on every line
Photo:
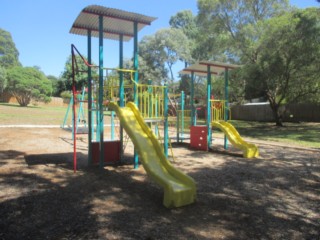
301, 134
35, 115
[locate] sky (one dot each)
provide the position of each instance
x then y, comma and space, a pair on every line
40, 28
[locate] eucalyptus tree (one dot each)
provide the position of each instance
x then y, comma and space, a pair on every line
287, 67
9, 55
164, 49
27, 83
238, 24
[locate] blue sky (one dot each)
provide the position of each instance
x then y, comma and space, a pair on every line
40, 28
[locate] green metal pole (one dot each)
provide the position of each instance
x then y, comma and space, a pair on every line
192, 100
208, 105
89, 101
226, 110
101, 127
136, 79
166, 123
121, 90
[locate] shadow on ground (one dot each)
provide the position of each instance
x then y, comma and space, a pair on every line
237, 199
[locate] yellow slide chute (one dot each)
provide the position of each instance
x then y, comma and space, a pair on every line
249, 150
179, 188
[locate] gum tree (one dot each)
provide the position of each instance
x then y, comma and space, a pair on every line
27, 83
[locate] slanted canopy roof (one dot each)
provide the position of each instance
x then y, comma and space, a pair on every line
201, 68
115, 22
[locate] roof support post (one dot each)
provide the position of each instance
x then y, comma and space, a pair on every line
101, 127
166, 124
136, 79
121, 84
226, 106
121, 90
208, 105
90, 125
192, 100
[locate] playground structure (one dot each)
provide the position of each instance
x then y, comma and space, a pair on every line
138, 105
101, 22
217, 111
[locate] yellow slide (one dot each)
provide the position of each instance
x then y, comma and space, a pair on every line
249, 150
179, 188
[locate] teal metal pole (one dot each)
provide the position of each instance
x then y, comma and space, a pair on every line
226, 110
101, 127
166, 124
193, 120
208, 105
89, 101
121, 84
97, 109
136, 79
121, 90
135, 62
67, 113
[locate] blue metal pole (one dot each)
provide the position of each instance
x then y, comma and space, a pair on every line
226, 109
182, 116
101, 127
208, 105
121, 84
136, 79
166, 124
89, 101
192, 100
121, 90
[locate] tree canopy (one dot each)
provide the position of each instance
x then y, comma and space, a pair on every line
26, 83
163, 49
80, 74
3, 79
287, 67
9, 55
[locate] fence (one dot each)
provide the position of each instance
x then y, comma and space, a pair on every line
291, 112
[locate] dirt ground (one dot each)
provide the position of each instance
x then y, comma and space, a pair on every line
276, 196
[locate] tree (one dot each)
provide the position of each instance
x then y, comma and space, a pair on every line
3, 79
8, 53
164, 49
58, 85
80, 73
287, 68
237, 25
26, 83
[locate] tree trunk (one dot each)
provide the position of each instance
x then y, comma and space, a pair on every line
277, 114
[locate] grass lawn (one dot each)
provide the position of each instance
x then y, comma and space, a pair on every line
34, 115
302, 134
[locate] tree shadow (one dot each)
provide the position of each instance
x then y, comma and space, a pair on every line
238, 198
